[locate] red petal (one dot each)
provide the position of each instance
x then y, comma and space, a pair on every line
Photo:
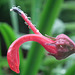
13, 59
13, 52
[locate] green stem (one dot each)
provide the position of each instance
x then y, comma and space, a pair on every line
36, 53
50, 13
71, 70
14, 18
36, 9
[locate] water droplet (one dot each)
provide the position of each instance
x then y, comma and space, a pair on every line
26, 23
37, 30
29, 18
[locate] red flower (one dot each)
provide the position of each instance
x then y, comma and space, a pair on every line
60, 47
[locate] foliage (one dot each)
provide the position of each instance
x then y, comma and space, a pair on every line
44, 14
8, 36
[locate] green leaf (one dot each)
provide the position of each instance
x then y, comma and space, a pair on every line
3, 32
13, 16
9, 36
71, 70
36, 53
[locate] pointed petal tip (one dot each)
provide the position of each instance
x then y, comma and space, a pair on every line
17, 71
12, 61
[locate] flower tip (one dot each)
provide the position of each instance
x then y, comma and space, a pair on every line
17, 71
12, 61
16, 9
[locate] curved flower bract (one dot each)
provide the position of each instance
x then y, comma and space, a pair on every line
13, 53
60, 47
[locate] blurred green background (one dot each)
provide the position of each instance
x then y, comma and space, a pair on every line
51, 17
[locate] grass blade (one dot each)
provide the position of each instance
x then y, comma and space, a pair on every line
9, 37
71, 70
36, 52
13, 16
